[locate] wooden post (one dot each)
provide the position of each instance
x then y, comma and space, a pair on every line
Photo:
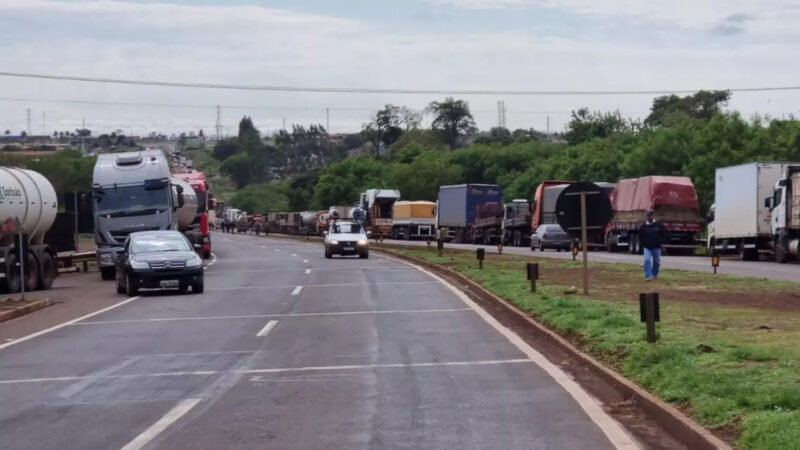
649, 313
585, 247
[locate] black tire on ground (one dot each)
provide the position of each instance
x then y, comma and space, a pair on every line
541, 247
12, 281
328, 254
197, 288
780, 251
130, 286
120, 289
47, 272
31, 272
206, 254
747, 254
363, 255
107, 273
610, 248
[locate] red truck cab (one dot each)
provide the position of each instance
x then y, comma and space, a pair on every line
205, 202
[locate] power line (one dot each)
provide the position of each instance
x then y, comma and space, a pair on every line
380, 90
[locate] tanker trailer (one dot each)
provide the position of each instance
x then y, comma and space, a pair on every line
28, 207
187, 213
308, 223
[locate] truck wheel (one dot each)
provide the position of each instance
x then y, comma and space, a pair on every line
107, 273
120, 289
31, 272
780, 251
610, 247
12, 282
47, 272
633, 244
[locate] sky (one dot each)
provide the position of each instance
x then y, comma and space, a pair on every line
541, 45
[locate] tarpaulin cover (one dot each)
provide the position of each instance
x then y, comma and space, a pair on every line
635, 194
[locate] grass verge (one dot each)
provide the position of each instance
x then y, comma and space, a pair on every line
735, 369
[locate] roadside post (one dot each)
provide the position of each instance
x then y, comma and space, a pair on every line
428, 241
649, 313
580, 208
22, 253
533, 275
440, 244
480, 254
575, 250
715, 261
500, 248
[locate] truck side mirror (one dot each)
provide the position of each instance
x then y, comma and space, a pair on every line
768, 202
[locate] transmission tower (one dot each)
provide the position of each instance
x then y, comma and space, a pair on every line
218, 124
29, 121
501, 114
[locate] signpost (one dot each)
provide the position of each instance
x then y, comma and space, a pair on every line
582, 207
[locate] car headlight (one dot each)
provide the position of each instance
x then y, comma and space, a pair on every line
362, 242
194, 262
334, 242
139, 264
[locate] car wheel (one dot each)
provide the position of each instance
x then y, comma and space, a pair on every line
130, 286
197, 288
183, 288
541, 247
120, 289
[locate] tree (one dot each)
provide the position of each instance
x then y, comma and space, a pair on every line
586, 125
409, 118
451, 118
7, 132
384, 128
23, 134
237, 167
226, 148
669, 109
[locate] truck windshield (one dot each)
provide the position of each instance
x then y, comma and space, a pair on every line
131, 201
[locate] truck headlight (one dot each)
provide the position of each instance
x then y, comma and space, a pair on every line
106, 258
194, 262
139, 264
362, 242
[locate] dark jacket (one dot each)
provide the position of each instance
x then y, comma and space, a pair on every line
652, 235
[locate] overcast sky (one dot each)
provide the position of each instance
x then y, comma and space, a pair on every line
413, 44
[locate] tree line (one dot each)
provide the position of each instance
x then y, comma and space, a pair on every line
690, 136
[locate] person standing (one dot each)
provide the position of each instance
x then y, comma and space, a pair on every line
652, 235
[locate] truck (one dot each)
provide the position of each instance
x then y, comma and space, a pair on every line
470, 213
745, 203
131, 192
785, 210
544, 202
516, 227
28, 207
378, 204
200, 231
413, 220
674, 202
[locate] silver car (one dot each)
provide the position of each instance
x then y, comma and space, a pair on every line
550, 236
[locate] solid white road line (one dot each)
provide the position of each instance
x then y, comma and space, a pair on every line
612, 429
279, 316
297, 290
267, 328
157, 428
308, 271
213, 260
69, 322
208, 373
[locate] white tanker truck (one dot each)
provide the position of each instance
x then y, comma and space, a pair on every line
28, 207
186, 214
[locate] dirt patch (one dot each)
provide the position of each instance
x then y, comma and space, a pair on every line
619, 285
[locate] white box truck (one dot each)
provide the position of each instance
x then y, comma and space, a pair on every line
741, 218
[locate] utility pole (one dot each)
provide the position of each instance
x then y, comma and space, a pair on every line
284, 124
501, 114
548, 127
328, 121
44, 123
29, 121
83, 127
218, 125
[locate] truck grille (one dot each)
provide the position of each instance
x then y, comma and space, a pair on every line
168, 265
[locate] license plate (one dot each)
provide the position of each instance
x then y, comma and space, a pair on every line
349, 249
166, 284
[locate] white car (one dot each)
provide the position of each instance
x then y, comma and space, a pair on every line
346, 237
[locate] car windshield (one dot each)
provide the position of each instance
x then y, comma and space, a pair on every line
130, 201
343, 228
553, 229
160, 244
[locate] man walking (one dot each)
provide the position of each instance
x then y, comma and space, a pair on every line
652, 236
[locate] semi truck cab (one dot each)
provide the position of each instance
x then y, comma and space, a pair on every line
784, 206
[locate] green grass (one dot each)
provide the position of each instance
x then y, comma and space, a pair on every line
718, 363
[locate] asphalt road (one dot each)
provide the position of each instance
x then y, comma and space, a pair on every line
288, 350
728, 264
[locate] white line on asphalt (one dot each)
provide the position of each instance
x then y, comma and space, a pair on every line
277, 250
69, 322
294, 254
279, 316
612, 429
305, 261
267, 328
297, 290
238, 288
213, 260
206, 373
308, 271
168, 419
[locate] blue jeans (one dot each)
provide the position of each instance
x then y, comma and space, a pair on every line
652, 262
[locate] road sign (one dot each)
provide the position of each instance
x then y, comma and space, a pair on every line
568, 208
579, 208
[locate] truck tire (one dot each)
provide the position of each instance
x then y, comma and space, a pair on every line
12, 281
780, 251
610, 247
31, 272
47, 272
746, 254
107, 273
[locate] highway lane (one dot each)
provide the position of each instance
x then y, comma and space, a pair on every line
728, 265
288, 350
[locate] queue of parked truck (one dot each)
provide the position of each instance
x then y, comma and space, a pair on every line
756, 211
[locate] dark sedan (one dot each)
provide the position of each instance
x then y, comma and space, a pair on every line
550, 236
158, 260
